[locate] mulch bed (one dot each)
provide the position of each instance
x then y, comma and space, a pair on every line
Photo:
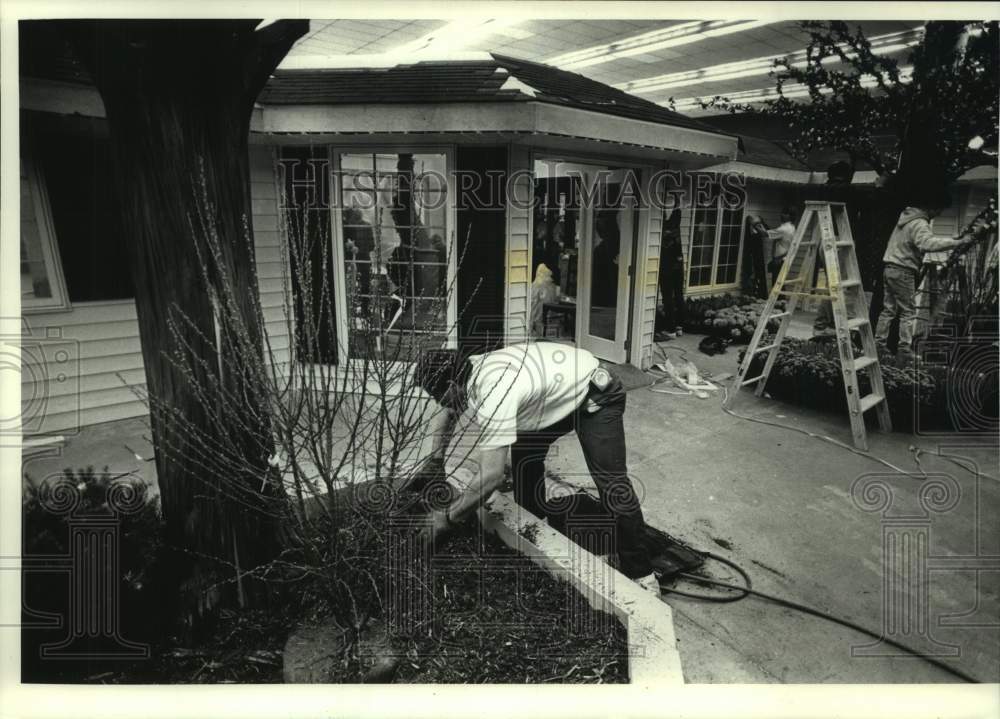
493, 617
499, 618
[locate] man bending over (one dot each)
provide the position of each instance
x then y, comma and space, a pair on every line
523, 398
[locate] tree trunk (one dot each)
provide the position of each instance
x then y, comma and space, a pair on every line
178, 97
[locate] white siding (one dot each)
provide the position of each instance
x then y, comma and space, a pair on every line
83, 366
647, 266
518, 246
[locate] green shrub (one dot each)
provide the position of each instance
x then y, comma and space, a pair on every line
142, 607
808, 373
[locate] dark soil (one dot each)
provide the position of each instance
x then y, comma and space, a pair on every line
499, 618
492, 617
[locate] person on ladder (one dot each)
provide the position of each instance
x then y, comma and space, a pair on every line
781, 241
912, 237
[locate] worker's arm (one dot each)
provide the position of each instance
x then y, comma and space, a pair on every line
491, 465
441, 424
927, 241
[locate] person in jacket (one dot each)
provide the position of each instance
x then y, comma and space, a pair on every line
910, 240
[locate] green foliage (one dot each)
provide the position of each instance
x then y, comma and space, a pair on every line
46, 532
808, 373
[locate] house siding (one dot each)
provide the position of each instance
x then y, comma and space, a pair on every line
647, 266
517, 263
103, 378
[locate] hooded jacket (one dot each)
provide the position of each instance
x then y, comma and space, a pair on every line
911, 238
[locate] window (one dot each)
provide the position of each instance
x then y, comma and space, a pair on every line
716, 237
41, 279
79, 183
393, 215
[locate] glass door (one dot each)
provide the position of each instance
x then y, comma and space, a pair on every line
605, 258
583, 236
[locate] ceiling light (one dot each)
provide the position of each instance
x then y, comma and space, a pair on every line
660, 39
454, 35
881, 45
791, 90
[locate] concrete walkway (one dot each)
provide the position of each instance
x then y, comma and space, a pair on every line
779, 503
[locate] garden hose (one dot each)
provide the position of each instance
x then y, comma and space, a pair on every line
789, 604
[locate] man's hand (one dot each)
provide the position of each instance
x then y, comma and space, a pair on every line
490, 475
438, 526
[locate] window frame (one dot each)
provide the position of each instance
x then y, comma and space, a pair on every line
59, 301
714, 286
336, 236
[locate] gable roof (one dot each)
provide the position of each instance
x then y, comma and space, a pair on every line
496, 78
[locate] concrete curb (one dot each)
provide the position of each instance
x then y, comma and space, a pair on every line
653, 657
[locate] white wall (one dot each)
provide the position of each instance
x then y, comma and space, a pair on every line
99, 379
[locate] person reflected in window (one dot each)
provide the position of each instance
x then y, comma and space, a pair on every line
604, 291
671, 319
359, 241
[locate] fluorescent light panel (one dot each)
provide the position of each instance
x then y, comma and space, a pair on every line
673, 36
881, 45
792, 90
455, 35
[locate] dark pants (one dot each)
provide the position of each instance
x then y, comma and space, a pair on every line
898, 306
672, 292
753, 272
774, 267
602, 436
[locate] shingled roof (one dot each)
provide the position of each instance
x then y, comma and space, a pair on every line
45, 53
495, 78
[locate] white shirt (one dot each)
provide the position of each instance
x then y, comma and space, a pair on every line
522, 388
783, 234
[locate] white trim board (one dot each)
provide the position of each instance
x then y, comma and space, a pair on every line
652, 644
507, 117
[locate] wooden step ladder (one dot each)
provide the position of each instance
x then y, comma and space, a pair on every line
824, 225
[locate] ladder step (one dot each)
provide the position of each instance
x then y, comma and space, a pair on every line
870, 401
844, 243
791, 280
758, 378
850, 283
794, 293
778, 315
862, 362
857, 322
765, 349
